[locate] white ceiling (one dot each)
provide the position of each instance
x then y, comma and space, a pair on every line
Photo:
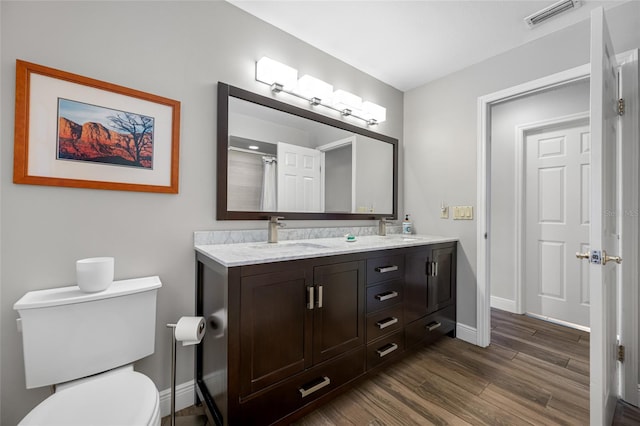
409, 43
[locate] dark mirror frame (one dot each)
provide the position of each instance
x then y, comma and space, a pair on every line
224, 92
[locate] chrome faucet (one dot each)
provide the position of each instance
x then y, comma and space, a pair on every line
273, 228
382, 226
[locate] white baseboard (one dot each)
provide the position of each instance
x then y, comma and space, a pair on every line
503, 304
185, 397
466, 333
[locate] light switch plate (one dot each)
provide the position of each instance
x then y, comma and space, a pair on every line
444, 212
462, 212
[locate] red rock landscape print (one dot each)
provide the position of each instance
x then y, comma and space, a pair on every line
103, 135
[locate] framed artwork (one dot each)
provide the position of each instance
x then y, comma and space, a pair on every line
79, 132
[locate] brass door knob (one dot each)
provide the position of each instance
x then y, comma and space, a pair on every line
584, 255
606, 258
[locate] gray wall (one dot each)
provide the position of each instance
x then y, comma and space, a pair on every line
338, 169
562, 101
178, 50
440, 131
374, 175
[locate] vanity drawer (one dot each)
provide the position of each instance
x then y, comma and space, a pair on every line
385, 349
384, 295
431, 327
275, 403
384, 322
385, 268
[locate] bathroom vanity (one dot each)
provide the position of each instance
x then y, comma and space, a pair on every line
292, 324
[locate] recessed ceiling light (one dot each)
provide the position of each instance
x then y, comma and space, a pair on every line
253, 147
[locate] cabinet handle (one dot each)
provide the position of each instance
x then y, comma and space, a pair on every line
436, 273
433, 325
386, 296
387, 349
310, 298
386, 322
314, 386
319, 296
383, 269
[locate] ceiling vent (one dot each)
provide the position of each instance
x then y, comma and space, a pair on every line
550, 11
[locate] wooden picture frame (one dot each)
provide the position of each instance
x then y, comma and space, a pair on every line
128, 140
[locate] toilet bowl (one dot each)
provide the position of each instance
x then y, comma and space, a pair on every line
84, 344
122, 398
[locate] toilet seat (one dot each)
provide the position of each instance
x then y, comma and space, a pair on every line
126, 398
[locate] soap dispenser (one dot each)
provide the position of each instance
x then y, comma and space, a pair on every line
407, 226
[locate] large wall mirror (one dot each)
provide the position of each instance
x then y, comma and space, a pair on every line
276, 159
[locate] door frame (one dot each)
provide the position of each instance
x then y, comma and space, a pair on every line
628, 298
483, 231
631, 123
520, 204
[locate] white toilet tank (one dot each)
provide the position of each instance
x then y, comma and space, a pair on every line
68, 334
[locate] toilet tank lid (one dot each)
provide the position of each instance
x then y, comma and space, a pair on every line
73, 294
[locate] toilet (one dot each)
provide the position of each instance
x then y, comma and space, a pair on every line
85, 344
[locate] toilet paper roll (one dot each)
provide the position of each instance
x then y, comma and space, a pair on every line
217, 323
190, 330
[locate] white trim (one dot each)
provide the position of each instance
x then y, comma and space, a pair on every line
466, 333
521, 134
559, 322
504, 304
185, 397
630, 204
483, 295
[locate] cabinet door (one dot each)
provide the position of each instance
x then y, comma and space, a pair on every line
339, 312
415, 284
443, 278
275, 328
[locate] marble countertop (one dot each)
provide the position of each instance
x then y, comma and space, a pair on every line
262, 252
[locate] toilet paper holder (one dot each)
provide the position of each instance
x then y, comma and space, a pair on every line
186, 326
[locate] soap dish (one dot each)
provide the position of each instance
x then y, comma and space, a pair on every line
350, 238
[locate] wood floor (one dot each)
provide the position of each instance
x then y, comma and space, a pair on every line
534, 372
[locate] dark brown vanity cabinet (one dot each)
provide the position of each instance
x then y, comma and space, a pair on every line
385, 293
299, 331
294, 320
430, 292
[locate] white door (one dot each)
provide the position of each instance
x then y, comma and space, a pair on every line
604, 228
298, 179
557, 222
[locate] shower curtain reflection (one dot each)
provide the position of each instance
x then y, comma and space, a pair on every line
269, 185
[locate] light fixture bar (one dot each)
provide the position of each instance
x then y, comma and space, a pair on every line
283, 79
345, 112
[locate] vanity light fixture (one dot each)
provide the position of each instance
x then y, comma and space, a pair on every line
343, 100
283, 78
311, 87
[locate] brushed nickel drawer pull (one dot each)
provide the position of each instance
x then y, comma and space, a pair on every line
310, 298
387, 349
314, 386
386, 322
383, 269
386, 296
433, 325
319, 296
